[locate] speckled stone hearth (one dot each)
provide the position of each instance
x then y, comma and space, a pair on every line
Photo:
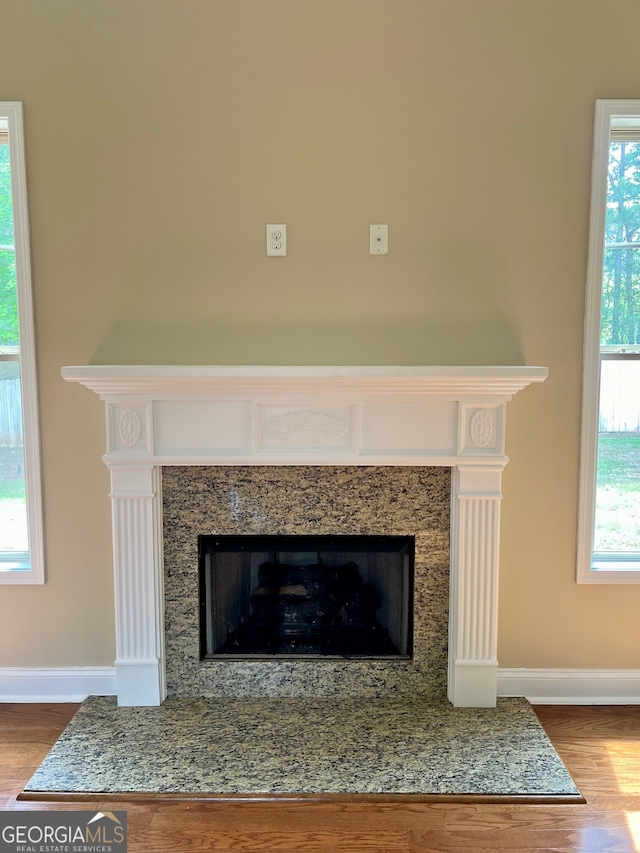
306, 500
287, 747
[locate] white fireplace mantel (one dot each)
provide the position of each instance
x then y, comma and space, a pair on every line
243, 415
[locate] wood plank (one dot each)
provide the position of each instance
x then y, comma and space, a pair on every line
290, 817
590, 721
433, 847
20, 752
27, 734
275, 842
594, 838
602, 767
477, 848
613, 802
498, 818
16, 715
17, 772
171, 843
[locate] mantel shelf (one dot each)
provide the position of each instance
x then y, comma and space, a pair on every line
161, 380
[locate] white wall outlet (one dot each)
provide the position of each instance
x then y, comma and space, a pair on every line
276, 239
378, 239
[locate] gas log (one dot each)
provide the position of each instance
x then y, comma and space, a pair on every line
314, 596
314, 609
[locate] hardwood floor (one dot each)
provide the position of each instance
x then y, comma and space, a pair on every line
599, 745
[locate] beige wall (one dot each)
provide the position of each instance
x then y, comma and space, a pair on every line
162, 135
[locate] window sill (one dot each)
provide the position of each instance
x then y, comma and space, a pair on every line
623, 570
17, 569
621, 565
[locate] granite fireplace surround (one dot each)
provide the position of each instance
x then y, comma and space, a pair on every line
306, 500
395, 450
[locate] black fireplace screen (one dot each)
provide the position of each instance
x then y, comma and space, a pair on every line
306, 596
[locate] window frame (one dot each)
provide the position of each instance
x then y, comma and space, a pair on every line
590, 570
12, 112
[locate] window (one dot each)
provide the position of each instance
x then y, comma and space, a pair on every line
21, 551
609, 520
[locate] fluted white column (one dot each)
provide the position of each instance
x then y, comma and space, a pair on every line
473, 612
139, 595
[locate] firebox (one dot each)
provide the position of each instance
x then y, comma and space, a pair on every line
306, 596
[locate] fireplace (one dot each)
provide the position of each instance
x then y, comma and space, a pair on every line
216, 418
401, 508
312, 597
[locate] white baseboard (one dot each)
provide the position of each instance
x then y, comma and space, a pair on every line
539, 686
572, 686
56, 684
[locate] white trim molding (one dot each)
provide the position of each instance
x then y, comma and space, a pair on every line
35, 573
473, 583
218, 415
572, 686
56, 684
588, 568
539, 686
